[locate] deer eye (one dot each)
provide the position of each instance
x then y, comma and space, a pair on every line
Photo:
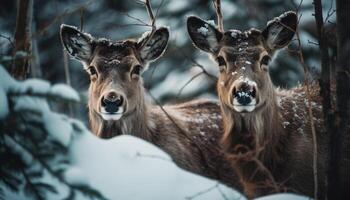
221, 61
136, 71
92, 70
265, 60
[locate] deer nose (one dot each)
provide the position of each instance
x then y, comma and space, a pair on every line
112, 101
244, 93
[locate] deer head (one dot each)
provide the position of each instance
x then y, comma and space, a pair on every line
114, 68
243, 57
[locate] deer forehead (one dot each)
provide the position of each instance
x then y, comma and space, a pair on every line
242, 56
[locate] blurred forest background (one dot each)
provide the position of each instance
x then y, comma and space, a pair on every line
178, 75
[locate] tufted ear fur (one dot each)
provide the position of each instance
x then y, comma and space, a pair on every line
204, 35
155, 46
76, 43
280, 31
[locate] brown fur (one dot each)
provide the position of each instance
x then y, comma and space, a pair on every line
271, 145
188, 132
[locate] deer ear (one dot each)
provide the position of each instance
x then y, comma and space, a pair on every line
280, 31
155, 46
203, 34
76, 43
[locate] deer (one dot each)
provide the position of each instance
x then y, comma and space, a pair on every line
267, 134
118, 105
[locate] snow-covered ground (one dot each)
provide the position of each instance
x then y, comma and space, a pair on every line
124, 167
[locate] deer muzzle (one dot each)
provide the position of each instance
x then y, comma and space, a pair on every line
112, 105
244, 95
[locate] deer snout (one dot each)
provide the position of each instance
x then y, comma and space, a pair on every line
244, 96
112, 103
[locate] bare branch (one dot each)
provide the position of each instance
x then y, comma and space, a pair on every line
152, 21
217, 4
310, 113
187, 83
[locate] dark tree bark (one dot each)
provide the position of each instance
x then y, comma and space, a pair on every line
325, 83
21, 65
335, 189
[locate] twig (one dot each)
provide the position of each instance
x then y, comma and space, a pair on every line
152, 22
152, 156
9, 39
202, 192
217, 4
310, 113
187, 83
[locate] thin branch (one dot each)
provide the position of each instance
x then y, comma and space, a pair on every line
187, 83
152, 22
138, 154
8, 39
202, 192
217, 5
310, 113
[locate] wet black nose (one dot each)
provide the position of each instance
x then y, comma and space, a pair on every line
244, 93
112, 101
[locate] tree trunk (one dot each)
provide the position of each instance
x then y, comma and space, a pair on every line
325, 83
342, 103
21, 64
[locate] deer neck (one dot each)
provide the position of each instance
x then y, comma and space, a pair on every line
136, 122
255, 130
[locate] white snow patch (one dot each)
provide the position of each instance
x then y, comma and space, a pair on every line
211, 22
246, 80
137, 170
4, 107
235, 33
58, 127
203, 30
6, 81
27, 103
283, 197
65, 92
76, 177
285, 124
248, 62
36, 86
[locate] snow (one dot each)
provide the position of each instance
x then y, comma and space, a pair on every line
203, 30
235, 33
247, 81
26, 103
6, 81
211, 22
58, 127
36, 86
137, 170
243, 94
76, 176
4, 107
284, 197
65, 92
248, 62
